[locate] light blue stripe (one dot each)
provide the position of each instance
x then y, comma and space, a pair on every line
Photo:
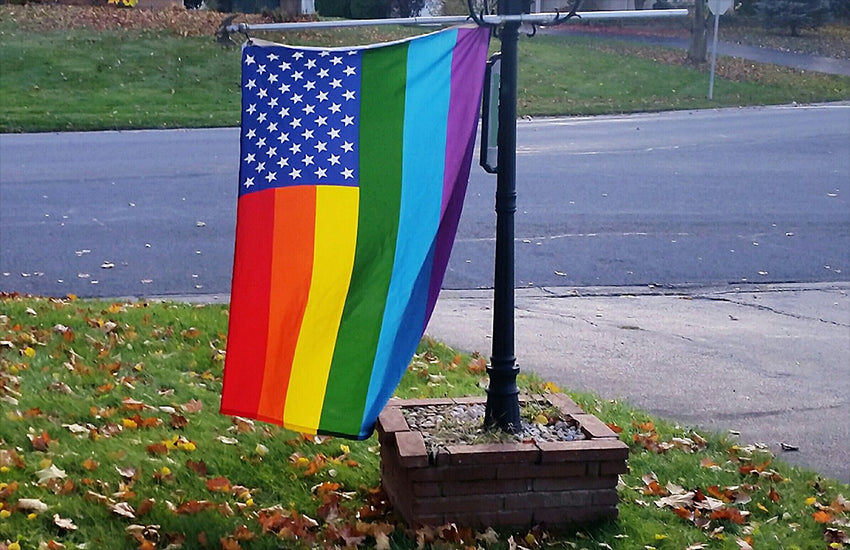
429, 67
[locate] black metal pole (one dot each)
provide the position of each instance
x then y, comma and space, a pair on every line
502, 395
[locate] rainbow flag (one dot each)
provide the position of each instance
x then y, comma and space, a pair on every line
354, 164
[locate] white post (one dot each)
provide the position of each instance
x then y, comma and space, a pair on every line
713, 57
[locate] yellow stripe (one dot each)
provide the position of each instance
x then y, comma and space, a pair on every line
336, 236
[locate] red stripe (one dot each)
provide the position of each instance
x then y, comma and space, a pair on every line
249, 298
292, 269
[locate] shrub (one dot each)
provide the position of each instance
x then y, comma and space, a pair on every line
793, 14
334, 8
369, 9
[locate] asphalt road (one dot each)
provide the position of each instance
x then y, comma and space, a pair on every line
683, 198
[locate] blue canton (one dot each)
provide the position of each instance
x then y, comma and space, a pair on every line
300, 114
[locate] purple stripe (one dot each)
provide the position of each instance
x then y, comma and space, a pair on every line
468, 64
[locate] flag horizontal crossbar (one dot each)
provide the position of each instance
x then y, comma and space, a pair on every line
536, 18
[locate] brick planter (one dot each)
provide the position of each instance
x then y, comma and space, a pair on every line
512, 484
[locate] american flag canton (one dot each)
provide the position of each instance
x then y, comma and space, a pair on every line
300, 117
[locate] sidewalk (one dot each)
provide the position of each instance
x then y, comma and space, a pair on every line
770, 361
795, 60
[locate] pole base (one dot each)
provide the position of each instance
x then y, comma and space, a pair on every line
502, 409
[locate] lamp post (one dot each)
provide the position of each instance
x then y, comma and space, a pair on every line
502, 408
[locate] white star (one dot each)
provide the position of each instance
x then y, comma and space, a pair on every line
348, 147
283, 137
251, 134
261, 166
348, 173
309, 109
336, 83
252, 108
249, 59
261, 142
261, 69
283, 161
273, 102
352, 52
251, 84
297, 75
272, 78
272, 151
261, 117
321, 121
307, 134
321, 146
349, 70
311, 63
249, 158
322, 96
272, 57
349, 94
295, 173
307, 160
323, 73
334, 160
262, 93
298, 55
271, 176
249, 182
334, 133
336, 60
272, 127
284, 88
284, 66
321, 173
324, 53
335, 107
295, 122
284, 112
310, 85
296, 148
296, 98
348, 120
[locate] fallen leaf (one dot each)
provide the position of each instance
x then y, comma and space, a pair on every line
178, 421
157, 449
145, 507
732, 514
123, 509
63, 523
51, 472
127, 472
219, 484
822, 516
31, 505
41, 441
193, 406
199, 467
773, 495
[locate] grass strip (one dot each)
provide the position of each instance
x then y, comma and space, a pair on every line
82, 79
110, 438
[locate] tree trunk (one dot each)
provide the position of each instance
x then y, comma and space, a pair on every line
698, 50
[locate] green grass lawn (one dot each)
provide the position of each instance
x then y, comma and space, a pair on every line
89, 80
110, 437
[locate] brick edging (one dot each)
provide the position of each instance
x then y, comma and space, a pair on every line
519, 484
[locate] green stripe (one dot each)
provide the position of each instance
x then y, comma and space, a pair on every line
382, 92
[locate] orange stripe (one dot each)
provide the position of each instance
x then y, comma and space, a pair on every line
291, 271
